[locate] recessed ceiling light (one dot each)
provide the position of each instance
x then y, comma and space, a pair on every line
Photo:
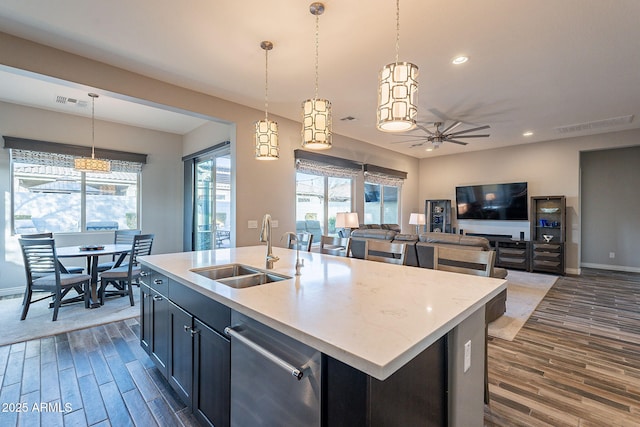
527, 133
429, 149
460, 60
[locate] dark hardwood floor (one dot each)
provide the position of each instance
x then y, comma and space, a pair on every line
576, 362
92, 377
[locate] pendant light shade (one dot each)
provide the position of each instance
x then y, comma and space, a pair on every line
266, 131
397, 91
92, 165
316, 112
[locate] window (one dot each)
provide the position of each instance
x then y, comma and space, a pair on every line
324, 187
381, 204
319, 198
382, 195
49, 195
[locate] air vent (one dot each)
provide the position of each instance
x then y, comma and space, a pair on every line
70, 101
598, 124
348, 119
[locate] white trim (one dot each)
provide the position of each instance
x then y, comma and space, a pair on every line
611, 267
573, 271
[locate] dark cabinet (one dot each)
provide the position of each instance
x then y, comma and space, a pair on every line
548, 233
180, 368
438, 215
192, 355
212, 367
512, 254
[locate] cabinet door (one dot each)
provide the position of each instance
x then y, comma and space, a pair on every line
212, 376
180, 367
145, 319
159, 345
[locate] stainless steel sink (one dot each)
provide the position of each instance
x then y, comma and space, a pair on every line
224, 271
238, 275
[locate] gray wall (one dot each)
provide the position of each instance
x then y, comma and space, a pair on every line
551, 168
611, 207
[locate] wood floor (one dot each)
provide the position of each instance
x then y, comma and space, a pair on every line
576, 362
93, 377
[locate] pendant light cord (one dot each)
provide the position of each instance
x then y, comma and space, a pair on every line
317, 33
397, 29
266, 84
93, 126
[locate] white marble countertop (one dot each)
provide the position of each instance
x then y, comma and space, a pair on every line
370, 315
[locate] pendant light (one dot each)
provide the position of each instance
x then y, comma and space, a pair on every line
397, 92
316, 112
85, 164
266, 135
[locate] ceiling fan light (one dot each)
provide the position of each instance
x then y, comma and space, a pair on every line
397, 97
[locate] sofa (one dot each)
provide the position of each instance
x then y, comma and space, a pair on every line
420, 254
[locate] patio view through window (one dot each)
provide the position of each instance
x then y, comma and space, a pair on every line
60, 199
318, 199
381, 204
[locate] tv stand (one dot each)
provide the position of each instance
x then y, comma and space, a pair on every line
510, 253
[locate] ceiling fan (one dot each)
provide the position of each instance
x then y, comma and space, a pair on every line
437, 136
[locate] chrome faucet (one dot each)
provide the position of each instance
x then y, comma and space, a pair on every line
299, 262
265, 236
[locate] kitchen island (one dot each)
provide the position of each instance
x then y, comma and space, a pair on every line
369, 319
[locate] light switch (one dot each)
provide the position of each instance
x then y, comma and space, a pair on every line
467, 356
274, 223
253, 223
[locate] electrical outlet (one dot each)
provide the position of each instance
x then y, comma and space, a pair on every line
467, 356
612, 255
274, 223
253, 223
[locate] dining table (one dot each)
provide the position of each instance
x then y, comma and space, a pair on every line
92, 253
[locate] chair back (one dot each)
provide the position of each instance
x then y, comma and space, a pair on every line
37, 236
141, 246
333, 245
40, 258
302, 241
477, 263
385, 251
125, 237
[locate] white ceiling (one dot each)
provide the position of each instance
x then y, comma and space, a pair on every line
534, 65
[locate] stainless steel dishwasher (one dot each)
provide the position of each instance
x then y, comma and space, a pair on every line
275, 380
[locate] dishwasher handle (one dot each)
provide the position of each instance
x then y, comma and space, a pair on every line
295, 372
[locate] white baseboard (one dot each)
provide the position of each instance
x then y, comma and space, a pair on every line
611, 267
573, 271
19, 290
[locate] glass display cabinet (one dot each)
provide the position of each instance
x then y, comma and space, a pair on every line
438, 215
548, 218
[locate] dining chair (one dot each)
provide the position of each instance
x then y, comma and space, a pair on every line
333, 245
122, 277
302, 241
385, 251
121, 237
63, 269
477, 263
44, 273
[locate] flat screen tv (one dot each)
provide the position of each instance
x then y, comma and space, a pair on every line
493, 202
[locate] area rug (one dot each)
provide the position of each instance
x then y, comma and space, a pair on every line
524, 293
71, 317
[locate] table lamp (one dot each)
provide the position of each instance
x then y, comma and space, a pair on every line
417, 219
346, 221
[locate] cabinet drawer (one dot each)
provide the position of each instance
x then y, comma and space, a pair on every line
547, 247
511, 252
155, 281
546, 263
513, 261
546, 255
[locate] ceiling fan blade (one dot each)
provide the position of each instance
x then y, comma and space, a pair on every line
453, 126
468, 136
456, 142
425, 129
416, 145
470, 130
422, 140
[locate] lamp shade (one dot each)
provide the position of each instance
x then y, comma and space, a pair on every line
417, 219
397, 100
266, 140
347, 220
316, 124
